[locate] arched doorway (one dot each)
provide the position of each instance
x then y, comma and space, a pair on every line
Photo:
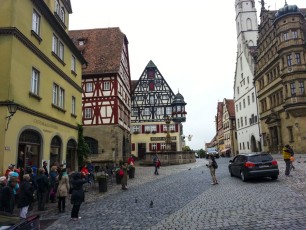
253, 144
29, 147
71, 155
55, 150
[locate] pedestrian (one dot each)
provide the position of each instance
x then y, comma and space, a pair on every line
156, 163
9, 169
8, 197
77, 195
25, 196
131, 160
124, 168
32, 181
42, 189
45, 164
62, 190
287, 153
3, 183
53, 183
212, 165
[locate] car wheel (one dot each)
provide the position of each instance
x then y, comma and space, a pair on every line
274, 177
242, 176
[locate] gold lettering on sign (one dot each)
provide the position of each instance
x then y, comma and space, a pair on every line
47, 131
43, 123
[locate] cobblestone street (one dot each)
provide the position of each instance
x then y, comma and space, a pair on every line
183, 198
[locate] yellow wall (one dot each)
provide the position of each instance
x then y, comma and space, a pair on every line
16, 63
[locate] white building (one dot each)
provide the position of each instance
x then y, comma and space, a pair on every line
247, 119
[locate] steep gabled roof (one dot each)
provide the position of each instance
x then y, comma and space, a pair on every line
230, 106
133, 85
101, 48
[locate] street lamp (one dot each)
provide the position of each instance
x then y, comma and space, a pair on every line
12, 108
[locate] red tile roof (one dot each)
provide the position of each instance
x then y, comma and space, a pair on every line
102, 49
230, 106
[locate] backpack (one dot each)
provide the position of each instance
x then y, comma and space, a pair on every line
214, 165
158, 164
121, 173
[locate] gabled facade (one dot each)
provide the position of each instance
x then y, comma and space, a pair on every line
219, 127
229, 128
106, 85
280, 77
155, 110
40, 73
245, 98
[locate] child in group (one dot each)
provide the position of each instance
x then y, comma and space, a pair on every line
291, 163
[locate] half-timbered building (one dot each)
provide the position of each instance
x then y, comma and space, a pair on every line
157, 114
106, 85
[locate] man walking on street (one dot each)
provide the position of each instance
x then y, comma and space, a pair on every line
287, 153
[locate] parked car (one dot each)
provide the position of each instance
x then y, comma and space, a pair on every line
196, 155
254, 165
214, 153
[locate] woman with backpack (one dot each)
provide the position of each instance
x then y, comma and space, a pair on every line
212, 165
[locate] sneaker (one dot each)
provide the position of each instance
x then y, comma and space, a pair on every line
212, 183
79, 217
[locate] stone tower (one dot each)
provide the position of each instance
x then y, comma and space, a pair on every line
247, 120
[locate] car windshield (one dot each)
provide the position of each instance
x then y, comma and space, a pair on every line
261, 158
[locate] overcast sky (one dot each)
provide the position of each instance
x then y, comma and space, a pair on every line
192, 43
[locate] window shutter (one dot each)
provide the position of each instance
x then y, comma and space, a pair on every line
150, 146
157, 128
158, 146
133, 146
143, 128
176, 127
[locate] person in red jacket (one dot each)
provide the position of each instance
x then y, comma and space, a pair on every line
131, 160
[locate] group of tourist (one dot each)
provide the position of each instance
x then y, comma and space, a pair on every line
21, 188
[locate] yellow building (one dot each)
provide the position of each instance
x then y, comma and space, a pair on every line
40, 73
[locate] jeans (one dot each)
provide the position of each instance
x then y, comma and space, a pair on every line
287, 172
156, 170
61, 203
213, 175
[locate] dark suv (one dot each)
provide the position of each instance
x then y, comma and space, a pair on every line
254, 165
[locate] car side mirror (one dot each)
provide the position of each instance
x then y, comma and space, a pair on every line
231, 161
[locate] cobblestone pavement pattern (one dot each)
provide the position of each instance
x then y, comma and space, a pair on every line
183, 198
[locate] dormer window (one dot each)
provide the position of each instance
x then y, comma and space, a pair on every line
81, 42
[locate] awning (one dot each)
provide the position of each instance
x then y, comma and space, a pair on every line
224, 150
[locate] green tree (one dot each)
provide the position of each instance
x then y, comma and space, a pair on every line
83, 148
186, 148
201, 153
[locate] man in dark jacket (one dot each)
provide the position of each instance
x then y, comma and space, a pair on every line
42, 189
8, 198
25, 196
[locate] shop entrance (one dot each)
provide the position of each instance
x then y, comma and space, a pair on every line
29, 147
71, 155
55, 151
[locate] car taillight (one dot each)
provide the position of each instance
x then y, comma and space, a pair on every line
249, 164
274, 162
